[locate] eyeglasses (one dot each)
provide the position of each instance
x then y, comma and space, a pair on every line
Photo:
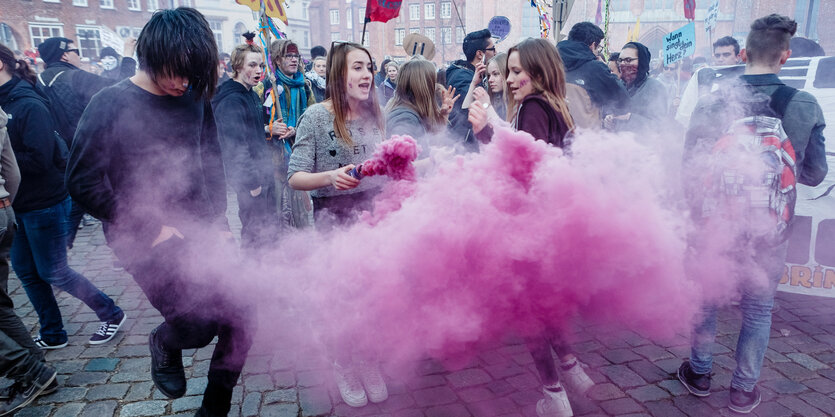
627, 60
292, 56
492, 48
76, 50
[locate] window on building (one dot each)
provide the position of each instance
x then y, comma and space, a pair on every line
367, 42
80, 3
414, 12
106, 4
349, 19
153, 5
238, 33
446, 10
305, 5
51, 1
399, 34
7, 37
459, 34
334, 16
306, 39
430, 33
217, 28
530, 22
414, 30
39, 33
185, 3
446, 36
134, 5
89, 41
429, 11
169, 4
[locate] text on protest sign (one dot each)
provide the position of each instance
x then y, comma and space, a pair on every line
680, 43
499, 27
712, 16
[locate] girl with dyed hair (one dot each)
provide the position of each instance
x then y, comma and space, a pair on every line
535, 81
333, 137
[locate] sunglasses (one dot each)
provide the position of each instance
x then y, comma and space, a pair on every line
76, 50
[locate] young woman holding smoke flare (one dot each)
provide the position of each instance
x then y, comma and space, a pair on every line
536, 83
333, 137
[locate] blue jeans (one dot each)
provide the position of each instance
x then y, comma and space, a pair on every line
756, 305
39, 257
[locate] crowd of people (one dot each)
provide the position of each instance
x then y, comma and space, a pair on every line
284, 136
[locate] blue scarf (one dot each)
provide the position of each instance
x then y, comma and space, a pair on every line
293, 108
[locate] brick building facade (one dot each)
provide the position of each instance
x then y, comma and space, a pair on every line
436, 19
24, 24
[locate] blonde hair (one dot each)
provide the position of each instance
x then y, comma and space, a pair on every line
337, 92
541, 60
236, 61
501, 62
416, 89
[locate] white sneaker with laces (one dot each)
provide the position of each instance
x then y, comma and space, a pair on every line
372, 379
575, 378
555, 403
350, 387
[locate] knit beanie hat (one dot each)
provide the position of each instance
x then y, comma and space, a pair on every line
108, 51
52, 49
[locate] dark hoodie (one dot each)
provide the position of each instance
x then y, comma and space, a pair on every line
583, 68
240, 128
40, 153
648, 99
459, 75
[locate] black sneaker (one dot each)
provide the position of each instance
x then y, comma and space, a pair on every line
744, 402
697, 384
39, 342
167, 369
8, 392
107, 330
27, 392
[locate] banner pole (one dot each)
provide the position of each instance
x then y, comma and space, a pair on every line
364, 24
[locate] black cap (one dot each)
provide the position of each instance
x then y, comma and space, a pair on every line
52, 49
108, 51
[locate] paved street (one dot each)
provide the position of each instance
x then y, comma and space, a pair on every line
634, 376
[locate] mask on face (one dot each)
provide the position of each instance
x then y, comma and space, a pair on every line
109, 62
628, 73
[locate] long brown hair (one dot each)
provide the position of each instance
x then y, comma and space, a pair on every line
541, 60
338, 92
16, 67
416, 90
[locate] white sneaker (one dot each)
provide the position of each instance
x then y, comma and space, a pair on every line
555, 404
576, 379
372, 379
350, 387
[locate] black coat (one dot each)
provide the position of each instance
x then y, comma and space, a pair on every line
240, 127
582, 68
41, 154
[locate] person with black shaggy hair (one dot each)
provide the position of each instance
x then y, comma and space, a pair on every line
146, 160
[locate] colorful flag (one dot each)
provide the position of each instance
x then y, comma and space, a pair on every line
690, 9
636, 31
382, 10
272, 8
598, 17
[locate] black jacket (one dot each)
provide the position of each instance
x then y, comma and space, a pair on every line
69, 90
240, 128
459, 75
40, 153
583, 68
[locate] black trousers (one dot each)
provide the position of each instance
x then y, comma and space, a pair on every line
195, 311
19, 356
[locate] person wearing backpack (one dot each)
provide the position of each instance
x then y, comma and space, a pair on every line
42, 206
761, 108
582, 68
69, 89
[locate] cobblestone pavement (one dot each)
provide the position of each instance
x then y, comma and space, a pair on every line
634, 376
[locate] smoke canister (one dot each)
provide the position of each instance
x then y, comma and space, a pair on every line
356, 172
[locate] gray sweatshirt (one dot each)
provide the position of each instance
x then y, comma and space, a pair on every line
318, 148
9, 171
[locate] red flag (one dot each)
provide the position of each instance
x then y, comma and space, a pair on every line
382, 10
690, 9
